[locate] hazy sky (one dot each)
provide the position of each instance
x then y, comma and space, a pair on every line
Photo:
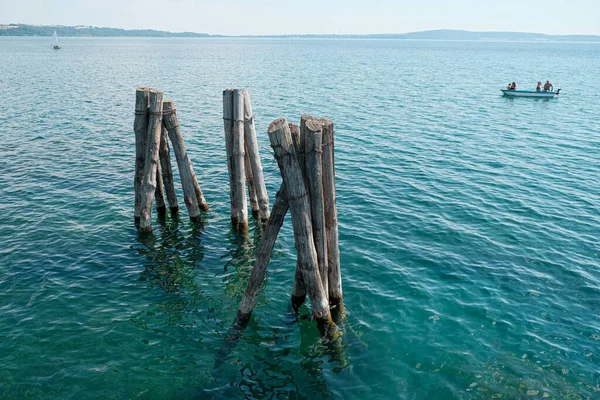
312, 16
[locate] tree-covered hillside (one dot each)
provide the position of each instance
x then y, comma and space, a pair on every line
39, 30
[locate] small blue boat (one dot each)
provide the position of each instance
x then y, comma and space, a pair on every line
530, 93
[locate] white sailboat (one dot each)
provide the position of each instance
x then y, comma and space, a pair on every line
55, 46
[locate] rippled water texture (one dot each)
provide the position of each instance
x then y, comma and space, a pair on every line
469, 223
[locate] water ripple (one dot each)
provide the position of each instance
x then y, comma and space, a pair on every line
468, 223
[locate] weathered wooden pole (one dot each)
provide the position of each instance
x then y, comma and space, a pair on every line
159, 194
263, 256
298, 137
140, 128
253, 155
234, 110
251, 189
151, 162
313, 139
285, 153
298, 290
167, 171
331, 218
301, 147
228, 125
183, 162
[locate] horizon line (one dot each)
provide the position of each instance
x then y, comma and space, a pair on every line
303, 34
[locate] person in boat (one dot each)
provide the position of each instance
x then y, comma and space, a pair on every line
539, 87
513, 86
548, 87
508, 86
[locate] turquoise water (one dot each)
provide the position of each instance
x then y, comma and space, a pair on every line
469, 223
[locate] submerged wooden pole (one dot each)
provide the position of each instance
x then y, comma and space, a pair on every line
313, 137
298, 289
183, 162
331, 218
151, 161
253, 156
281, 141
159, 194
280, 208
239, 205
167, 171
140, 128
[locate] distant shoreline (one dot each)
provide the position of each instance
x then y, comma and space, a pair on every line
445, 34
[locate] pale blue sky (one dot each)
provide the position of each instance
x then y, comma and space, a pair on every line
312, 16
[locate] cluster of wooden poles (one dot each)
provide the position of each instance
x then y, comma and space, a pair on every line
305, 156
243, 160
155, 119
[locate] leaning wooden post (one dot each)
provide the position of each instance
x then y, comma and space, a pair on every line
140, 128
151, 161
254, 157
167, 171
313, 136
263, 256
281, 141
331, 218
239, 205
183, 162
159, 194
298, 290
251, 189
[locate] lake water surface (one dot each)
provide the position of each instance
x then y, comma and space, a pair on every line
469, 223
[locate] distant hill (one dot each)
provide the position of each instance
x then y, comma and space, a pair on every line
446, 34
47, 30
442, 34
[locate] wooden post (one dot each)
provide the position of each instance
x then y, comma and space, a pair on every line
239, 205
302, 144
313, 136
263, 256
281, 141
151, 161
167, 171
298, 290
228, 125
183, 162
331, 219
140, 128
254, 157
251, 189
159, 194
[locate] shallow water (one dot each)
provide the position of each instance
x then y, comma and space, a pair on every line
469, 223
